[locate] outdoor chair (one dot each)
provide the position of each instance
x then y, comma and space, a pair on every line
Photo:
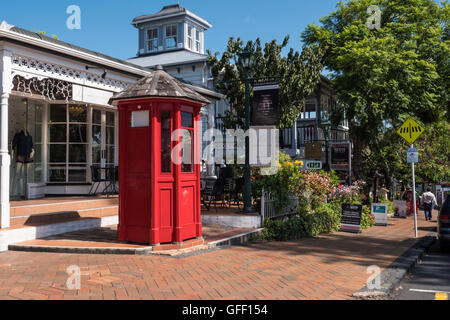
229, 191
96, 177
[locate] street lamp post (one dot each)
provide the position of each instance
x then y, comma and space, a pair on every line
245, 57
326, 127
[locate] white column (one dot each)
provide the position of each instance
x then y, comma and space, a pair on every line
5, 160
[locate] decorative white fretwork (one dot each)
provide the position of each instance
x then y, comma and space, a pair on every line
64, 72
49, 89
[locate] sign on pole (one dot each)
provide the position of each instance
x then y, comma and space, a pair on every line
410, 131
266, 107
412, 155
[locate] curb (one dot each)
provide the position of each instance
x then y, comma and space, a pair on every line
239, 239
393, 275
85, 250
147, 251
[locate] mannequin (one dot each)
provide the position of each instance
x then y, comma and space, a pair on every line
22, 154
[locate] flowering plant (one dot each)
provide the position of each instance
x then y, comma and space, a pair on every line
348, 194
313, 189
281, 183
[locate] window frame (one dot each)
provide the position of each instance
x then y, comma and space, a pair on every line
191, 130
152, 40
190, 37
171, 36
68, 165
198, 40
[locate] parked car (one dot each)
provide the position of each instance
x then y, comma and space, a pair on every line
444, 225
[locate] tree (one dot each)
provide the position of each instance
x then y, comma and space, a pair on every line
299, 74
384, 74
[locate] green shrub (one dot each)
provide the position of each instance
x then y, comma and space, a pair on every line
367, 220
324, 219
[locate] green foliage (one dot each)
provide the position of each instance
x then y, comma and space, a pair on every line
324, 220
367, 219
299, 74
54, 36
280, 184
386, 74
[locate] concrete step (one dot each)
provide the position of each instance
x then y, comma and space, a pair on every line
45, 206
42, 230
65, 216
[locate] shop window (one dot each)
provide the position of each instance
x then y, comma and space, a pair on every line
68, 144
103, 136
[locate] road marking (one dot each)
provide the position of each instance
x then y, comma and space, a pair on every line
441, 296
429, 291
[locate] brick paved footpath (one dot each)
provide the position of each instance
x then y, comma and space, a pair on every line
328, 267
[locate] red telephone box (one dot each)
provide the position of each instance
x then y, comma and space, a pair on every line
159, 165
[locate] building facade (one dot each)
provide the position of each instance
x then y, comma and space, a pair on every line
56, 120
307, 129
175, 39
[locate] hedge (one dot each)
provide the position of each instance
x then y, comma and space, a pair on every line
325, 219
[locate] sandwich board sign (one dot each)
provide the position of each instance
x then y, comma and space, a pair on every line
380, 212
351, 218
400, 208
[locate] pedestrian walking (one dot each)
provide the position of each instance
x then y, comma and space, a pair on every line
429, 201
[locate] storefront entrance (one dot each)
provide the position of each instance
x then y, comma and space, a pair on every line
57, 144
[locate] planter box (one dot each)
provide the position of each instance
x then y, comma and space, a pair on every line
35, 191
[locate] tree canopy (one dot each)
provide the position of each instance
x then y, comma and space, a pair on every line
298, 74
383, 74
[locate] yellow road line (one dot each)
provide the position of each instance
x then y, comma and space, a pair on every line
441, 296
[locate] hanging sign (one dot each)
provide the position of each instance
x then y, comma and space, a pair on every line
380, 212
351, 218
410, 131
266, 107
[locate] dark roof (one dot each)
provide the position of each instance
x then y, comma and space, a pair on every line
72, 46
160, 84
172, 9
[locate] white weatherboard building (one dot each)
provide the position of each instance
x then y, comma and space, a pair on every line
55, 120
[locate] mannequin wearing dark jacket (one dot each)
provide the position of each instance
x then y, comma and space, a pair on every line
23, 147
22, 152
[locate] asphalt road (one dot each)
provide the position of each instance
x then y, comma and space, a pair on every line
430, 280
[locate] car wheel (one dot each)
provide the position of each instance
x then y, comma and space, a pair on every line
445, 246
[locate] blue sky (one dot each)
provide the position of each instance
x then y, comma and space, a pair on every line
106, 27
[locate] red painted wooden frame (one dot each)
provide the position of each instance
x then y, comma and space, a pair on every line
156, 207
